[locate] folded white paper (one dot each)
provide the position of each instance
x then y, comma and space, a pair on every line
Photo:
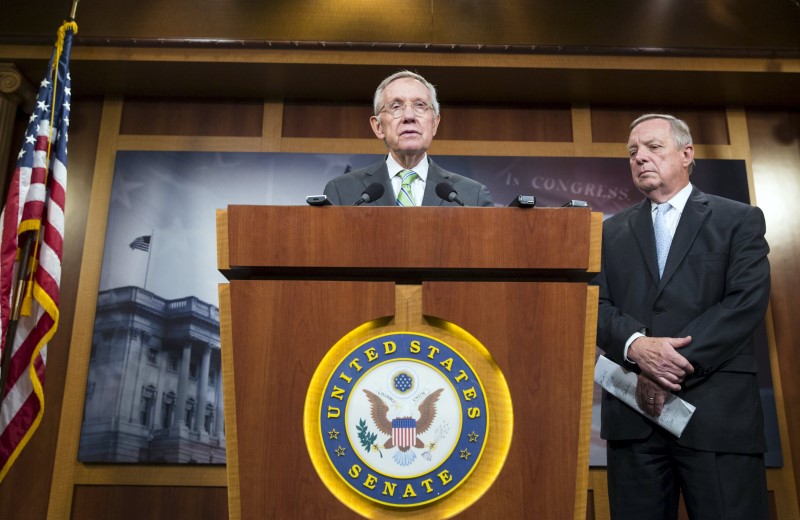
622, 384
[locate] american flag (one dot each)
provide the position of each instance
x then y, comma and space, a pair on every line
142, 243
35, 206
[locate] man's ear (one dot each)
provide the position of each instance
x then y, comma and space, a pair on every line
688, 155
436, 123
375, 123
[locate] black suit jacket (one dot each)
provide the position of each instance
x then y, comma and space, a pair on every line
715, 288
347, 189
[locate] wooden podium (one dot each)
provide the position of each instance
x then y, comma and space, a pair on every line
302, 278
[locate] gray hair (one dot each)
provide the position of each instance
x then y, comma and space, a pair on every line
681, 134
376, 102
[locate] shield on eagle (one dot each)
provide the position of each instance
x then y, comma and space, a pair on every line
404, 432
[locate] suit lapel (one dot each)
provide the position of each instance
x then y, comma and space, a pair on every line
435, 176
380, 173
694, 214
641, 223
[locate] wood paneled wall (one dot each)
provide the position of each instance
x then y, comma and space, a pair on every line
775, 148
100, 128
170, 117
684, 24
140, 502
25, 491
610, 124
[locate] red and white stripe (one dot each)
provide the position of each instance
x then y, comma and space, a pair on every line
404, 432
22, 407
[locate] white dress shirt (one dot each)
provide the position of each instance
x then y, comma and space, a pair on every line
417, 185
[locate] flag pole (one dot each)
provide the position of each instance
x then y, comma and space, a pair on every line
149, 252
16, 306
74, 8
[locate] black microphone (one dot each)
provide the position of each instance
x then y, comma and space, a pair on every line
446, 191
372, 192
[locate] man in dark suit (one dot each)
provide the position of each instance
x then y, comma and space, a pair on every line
684, 283
406, 118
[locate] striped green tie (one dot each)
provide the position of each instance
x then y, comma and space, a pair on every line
405, 197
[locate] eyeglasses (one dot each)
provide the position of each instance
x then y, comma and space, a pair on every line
396, 109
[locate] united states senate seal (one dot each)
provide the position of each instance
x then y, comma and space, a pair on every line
403, 419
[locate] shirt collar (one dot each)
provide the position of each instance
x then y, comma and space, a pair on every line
679, 200
421, 168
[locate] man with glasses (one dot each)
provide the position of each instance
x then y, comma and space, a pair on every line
406, 116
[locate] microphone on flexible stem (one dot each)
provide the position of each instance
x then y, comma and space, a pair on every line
446, 191
371, 193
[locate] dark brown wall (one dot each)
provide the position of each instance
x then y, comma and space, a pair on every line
775, 146
740, 26
151, 502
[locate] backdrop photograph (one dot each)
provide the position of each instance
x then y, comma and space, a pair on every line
154, 390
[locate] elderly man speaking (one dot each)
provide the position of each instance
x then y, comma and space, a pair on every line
406, 116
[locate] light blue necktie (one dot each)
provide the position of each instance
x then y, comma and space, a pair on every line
405, 197
663, 236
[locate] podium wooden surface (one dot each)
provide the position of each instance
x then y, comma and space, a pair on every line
301, 278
